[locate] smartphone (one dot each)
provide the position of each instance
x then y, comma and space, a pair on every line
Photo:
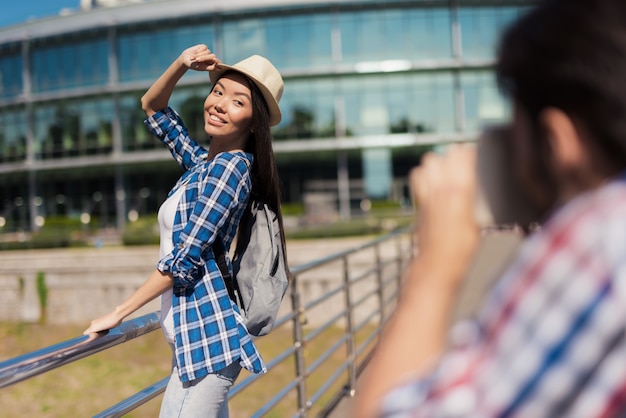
501, 201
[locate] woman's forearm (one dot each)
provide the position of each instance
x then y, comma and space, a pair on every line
197, 57
154, 286
158, 95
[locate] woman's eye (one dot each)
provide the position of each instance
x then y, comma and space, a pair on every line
238, 103
217, 92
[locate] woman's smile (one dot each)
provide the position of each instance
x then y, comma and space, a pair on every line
216, 120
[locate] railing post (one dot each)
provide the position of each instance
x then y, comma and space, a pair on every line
379, 286
400, 258
349, 328
297, 342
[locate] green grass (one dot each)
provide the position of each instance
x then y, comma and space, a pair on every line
92, 384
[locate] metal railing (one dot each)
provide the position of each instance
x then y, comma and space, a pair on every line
358, 300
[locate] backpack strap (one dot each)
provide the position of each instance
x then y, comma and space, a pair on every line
220, 258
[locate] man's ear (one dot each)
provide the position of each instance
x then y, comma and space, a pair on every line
564, 138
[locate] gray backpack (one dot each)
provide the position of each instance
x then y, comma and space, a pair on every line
260, 277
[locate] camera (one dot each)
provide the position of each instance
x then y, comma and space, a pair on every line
501, 200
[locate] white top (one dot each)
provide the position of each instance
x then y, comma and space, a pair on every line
167, 213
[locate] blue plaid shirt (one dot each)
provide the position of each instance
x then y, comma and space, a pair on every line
210, 333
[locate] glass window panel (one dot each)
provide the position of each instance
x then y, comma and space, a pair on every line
69, 65
135, 135
398, 103
373, 113
301, 41
73, 128
377, 172
308, 110
347, 27
137, 60
297, 34
319, 40
422, 102
483, 103
275, 34
243, 38
395, 34
481, 28
11, 84
96, 135
441, 29
12, 135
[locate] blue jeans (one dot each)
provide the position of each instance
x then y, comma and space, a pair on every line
206, 397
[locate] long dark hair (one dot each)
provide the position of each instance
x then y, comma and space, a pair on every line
264, 172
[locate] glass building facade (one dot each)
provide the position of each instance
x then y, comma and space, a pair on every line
367, 86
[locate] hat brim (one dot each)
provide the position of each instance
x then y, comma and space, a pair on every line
275, 115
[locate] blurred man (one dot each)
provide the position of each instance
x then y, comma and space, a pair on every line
549, 341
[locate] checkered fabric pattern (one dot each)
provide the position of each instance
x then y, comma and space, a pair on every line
550, 339
209, 330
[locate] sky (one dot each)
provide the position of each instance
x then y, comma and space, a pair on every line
19, 11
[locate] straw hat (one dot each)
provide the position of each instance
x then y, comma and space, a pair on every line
264, 75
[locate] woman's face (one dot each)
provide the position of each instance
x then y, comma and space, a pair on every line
228, 109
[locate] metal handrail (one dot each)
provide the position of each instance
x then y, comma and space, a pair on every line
41, 361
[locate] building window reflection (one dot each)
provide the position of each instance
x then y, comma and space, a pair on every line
145, 52
11, 67
395, 34
481, 27
397, 103
351, 69
135, 136
12, 135
73, 128
308, 110
63, 64
305, 40
482, 102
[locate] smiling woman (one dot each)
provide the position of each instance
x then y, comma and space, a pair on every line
206, 206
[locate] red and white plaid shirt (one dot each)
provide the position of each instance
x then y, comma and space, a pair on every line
549, 341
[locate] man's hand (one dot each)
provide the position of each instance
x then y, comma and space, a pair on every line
444, 188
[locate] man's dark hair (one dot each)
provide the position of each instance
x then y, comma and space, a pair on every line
571, 55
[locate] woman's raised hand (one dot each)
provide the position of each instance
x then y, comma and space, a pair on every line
199, 58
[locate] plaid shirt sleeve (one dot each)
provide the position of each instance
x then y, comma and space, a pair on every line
550, 339
169, 128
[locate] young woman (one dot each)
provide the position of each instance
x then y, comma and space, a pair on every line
209, 340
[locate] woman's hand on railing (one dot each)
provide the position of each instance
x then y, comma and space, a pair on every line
157, 283
105, 322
